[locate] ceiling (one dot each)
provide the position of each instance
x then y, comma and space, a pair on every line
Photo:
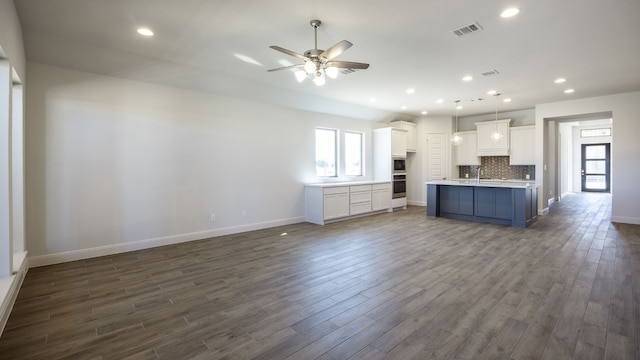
409, 43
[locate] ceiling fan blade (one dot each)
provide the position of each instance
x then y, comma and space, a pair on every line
347, 65
287, 67
335, 50
289, 52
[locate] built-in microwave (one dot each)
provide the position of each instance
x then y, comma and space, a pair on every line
399, 165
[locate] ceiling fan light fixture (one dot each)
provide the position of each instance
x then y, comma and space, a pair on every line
318, 62
309, 67
319, 79
300, 75
332, 72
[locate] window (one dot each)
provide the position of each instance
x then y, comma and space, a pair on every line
353, 142
326, 150
595, 132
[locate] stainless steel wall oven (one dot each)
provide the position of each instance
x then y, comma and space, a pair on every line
399, 186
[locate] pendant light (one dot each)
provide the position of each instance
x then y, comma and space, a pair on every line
456, 139
496, 136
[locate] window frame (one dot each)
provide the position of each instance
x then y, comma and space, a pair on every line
336, 151
582, 131
360, 153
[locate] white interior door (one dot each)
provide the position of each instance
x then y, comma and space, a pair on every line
437, 163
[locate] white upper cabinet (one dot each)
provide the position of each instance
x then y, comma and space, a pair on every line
523, 145
412, 134
466, 150
489, 145
398, 143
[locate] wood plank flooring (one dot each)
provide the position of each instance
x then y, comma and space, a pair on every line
391, 286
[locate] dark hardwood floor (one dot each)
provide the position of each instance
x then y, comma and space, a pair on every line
394, 286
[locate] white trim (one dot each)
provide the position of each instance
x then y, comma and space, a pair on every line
49, 259
625, 220
9, 288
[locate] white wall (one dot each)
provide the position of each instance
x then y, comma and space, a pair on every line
566, 150
624, 150
115, 165
11, 44
13, 268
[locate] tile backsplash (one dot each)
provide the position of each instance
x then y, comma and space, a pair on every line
497, 167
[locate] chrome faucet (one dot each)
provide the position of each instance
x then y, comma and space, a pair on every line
478, 174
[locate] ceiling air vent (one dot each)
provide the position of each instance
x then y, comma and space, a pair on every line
490, 73
347, 71
467, 29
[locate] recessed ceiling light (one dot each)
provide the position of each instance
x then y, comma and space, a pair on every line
424, 113
372, 100
145, 31
569, 91
467, 78
411, 90
507, 100
491, 92
403, 107
510, 12
559, 80
459, 107
439, 101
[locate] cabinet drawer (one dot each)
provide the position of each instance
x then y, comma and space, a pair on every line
380, 186
360, 208
359, 188
336, 190
360, 196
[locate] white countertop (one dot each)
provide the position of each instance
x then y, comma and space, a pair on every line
347, 183
486, 183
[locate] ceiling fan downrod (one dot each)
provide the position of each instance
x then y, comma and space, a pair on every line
315, 24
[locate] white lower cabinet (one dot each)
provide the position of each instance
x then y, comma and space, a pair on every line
360, 201
336, 202
380, 197
329, 203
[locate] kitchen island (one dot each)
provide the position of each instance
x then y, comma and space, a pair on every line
512, 203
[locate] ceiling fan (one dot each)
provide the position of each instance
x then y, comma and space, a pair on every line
318, 62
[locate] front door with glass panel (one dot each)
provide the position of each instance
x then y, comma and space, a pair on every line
595, 168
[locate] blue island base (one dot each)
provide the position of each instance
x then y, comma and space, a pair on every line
512, 206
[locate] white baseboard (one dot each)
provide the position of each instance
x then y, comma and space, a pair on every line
49, 259
625, 220
9, 288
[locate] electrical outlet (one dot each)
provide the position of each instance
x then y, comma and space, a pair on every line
527, 177
244, 213
212, 217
